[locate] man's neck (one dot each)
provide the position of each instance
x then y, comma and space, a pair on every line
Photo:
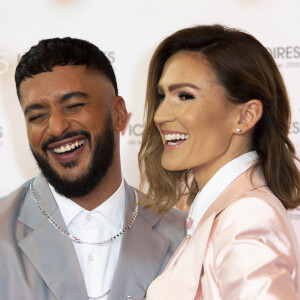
105, 188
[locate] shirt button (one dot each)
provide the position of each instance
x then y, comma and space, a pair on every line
91, 258
88, 217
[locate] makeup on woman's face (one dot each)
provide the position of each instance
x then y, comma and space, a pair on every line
194, 117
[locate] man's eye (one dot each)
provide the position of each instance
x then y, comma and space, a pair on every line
76, 105
36, 118
185, 96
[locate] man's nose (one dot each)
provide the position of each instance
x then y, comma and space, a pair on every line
57, 124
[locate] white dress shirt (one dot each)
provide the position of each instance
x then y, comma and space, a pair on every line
97, 262
216, 185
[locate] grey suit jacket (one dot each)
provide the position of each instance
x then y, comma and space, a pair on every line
38, 262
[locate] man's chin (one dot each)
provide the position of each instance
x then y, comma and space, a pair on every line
71, 181
70, 164
71, 186
66, 177
68, 170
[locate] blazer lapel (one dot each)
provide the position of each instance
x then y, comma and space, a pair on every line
239, 186
141, 256
181, 279
51, 253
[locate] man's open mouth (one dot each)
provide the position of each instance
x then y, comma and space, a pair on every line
69, 147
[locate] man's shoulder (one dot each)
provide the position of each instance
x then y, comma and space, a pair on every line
175, 218
11, 231
14, 200
176, 213
170, 224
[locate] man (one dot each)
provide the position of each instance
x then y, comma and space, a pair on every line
76, 231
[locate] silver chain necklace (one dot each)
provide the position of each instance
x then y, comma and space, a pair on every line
96, 298
76, 239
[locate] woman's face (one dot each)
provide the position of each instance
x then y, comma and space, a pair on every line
194, 118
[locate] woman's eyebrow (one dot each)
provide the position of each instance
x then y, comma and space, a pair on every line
176, 86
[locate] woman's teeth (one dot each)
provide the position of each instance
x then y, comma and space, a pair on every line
173, 138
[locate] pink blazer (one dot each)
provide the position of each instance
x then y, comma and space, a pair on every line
243, 248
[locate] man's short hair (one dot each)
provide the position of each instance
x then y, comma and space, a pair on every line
49, 53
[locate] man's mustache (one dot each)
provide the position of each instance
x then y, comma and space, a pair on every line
66, 135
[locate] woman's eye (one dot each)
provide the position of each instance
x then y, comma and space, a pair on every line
185, 96
160, 97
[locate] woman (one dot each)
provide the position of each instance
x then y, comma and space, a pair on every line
217, 123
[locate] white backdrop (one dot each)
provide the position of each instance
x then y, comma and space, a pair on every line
128, 31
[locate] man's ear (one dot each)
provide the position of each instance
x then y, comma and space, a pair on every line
119, 113
250, 114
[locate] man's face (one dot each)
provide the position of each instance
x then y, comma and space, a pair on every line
70, 127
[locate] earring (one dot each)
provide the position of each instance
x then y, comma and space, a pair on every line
238, 130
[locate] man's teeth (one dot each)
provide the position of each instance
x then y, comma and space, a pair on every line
69, 147
175, 137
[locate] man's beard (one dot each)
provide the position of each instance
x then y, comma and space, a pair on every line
102, 158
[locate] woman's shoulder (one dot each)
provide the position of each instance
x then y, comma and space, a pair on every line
251, 196
260, 202
255, 213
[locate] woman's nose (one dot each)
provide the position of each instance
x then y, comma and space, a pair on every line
164, 112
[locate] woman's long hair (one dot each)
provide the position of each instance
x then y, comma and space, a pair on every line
247, 71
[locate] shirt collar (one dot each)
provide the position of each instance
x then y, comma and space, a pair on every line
216, 185
112, 209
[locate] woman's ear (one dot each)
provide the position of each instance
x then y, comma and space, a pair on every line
250, 114
119, 113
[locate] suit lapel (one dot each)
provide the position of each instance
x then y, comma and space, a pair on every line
51, 253
141, 256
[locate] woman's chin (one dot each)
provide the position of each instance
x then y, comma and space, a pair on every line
170, 166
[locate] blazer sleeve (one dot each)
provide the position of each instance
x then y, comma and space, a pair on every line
252, 253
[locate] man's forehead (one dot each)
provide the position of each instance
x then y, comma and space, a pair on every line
68, 72
64, 79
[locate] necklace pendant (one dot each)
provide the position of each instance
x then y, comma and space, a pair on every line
75, 239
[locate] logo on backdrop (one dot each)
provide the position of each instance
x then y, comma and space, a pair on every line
3, 63
133, 131
111, 55
295, 127
1, 136
286, 56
